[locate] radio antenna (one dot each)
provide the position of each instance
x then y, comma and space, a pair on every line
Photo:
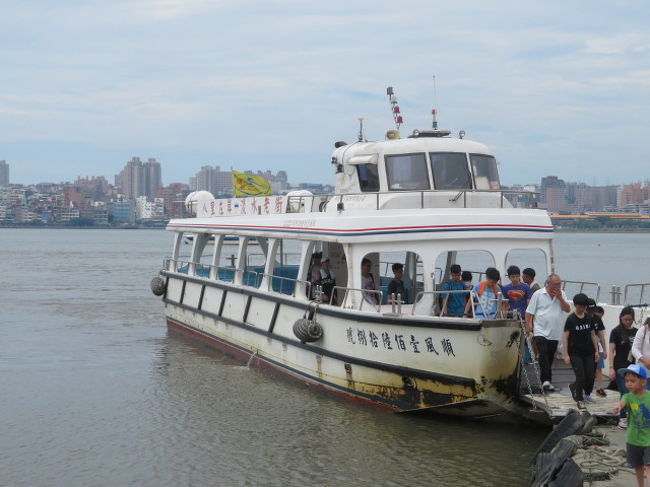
361, 137
394, 107
434, 112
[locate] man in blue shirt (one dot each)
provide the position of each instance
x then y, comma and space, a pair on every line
518, 293
453, 304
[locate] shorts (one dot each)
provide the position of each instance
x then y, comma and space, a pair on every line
638, 456
601, 362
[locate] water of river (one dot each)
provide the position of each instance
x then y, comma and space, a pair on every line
94, 391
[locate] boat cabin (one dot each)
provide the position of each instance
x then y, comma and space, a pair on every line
424, 161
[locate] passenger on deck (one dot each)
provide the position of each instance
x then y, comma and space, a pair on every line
325, 271
486, 296
327, 281
580, 350
518, 293
396, 285
467, 278
453, 304
314, 282
596, 315
528, 276
544, 318
368, 282
314, 263
641, 346
621, 339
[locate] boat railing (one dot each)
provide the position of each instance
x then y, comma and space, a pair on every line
427, 303
287, 285
582, 287
517, 198
359, 299
632, 290
227, 274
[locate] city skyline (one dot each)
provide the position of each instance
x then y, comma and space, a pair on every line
200, 173
548, 87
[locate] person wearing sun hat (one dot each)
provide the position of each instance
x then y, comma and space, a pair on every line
637, 404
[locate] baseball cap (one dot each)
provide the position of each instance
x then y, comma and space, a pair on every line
637, 370
325, 259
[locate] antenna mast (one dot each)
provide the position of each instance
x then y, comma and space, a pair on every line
361, 137
434, 112
394, 107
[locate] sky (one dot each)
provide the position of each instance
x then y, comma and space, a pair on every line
553, 88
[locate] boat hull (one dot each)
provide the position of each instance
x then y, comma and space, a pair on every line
401, 363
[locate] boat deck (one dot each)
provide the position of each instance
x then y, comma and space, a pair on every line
557, 404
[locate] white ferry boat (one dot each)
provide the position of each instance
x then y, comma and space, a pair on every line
426, 201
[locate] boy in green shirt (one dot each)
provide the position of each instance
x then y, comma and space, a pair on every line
637, 438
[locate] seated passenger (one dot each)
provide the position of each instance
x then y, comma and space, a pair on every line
325, 271
396, 286
466, 277
315, 282
327, 281
368, 282
486, 295
453, 304
517, 292
314, 263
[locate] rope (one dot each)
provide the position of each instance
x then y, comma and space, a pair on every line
596, 462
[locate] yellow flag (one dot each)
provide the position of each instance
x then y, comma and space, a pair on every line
249, 185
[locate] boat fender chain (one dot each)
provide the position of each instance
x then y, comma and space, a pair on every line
308, 330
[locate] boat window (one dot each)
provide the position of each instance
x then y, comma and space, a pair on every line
450, 170
486, 175
368, 177
227, 258
407, 172
523, 258
255, 262
473, 264
287, 264
410, 265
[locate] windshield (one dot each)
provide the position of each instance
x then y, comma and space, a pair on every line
368, 177
450, 170
485, 171
407, 172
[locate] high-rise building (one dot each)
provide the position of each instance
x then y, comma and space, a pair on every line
4, 174
212, 179
152, 178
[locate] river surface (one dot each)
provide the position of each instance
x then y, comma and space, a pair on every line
94, 391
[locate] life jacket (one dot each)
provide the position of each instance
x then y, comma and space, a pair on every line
483, 285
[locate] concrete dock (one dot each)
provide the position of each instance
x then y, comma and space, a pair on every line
603, 454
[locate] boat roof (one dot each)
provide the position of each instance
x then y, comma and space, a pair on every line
382, 225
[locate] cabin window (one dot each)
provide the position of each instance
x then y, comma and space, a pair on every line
473, 264
287, 265
450, 170
368, 177
380, 276
485, 171
407, 172
255, 262
227, 258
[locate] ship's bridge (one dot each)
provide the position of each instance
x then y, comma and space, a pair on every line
421, 162
428, 163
